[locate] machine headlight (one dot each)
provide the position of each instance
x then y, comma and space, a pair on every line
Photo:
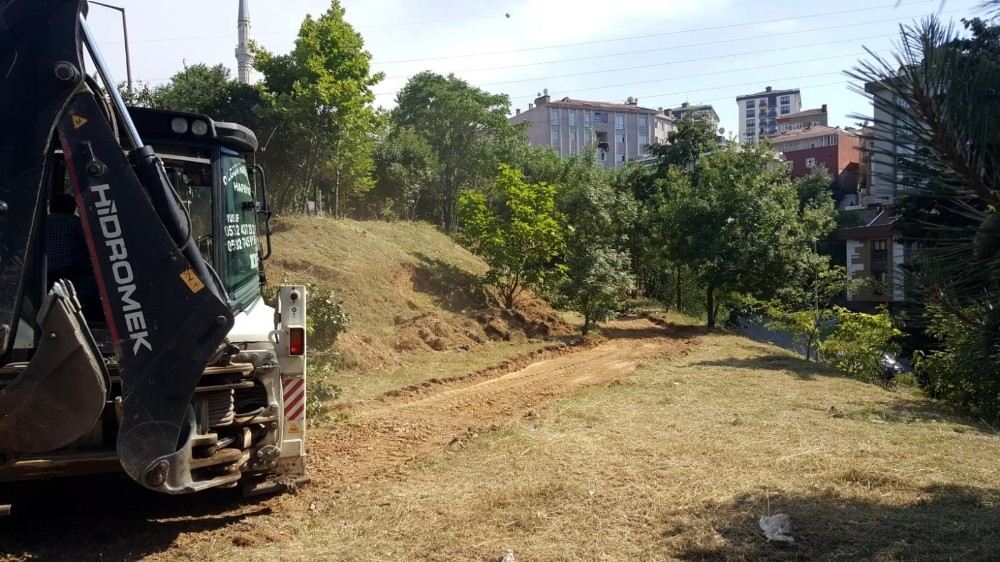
179, 125
199, 128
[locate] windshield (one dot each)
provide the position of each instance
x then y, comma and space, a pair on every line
240, 228
191, 175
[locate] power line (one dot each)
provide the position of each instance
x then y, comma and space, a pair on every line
674, 47
661, 34
743, 84
673, 62
295, 31
703, 74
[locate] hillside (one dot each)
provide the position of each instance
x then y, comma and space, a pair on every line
409, 289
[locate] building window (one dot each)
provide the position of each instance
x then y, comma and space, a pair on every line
600, 117
621, 157
810, 162
572, 118
620, 138
749, 104
751, 113
751, 122
785, 110
554, 137
553, 116
619, 121
642, 121
643, 140
880, 250
602, 155
586, 118
786, 100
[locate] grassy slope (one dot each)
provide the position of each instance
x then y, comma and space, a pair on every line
387, 274
678, 462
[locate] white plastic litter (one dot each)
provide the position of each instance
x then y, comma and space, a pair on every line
777, 528
508, 556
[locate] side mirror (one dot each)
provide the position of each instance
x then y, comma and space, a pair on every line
263, 207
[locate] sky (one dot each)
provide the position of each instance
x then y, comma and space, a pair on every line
663, 52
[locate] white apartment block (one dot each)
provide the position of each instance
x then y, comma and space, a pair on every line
617, 132
759, 112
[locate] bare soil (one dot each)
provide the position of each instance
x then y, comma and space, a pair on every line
413, 423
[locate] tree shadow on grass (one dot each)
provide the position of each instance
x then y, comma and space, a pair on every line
451, 287
112, 518
661, 329
932, 523
805, 370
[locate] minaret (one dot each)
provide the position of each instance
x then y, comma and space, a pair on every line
244, 60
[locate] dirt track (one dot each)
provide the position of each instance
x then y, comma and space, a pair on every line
114, 520
383, 437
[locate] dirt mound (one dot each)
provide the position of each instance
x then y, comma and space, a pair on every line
531, 318
431, 331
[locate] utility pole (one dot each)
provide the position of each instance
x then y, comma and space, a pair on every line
815, 300
128, 55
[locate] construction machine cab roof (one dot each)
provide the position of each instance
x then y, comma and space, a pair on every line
180, 126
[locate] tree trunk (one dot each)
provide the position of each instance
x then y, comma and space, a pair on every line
677, 271
586, 324
710, 305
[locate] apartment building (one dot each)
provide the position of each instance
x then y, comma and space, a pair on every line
759, 112
803, 119
838, 150
618, 132
705, 111
875, 247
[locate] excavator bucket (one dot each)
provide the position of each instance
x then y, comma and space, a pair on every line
165, 311
60, 394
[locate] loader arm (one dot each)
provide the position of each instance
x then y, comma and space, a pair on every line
163, 306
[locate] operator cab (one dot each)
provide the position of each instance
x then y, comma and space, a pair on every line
211, 165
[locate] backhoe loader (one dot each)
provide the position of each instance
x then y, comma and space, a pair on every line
133, 332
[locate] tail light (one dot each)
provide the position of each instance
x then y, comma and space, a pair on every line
296, 341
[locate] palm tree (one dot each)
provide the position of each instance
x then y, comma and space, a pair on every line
939, 98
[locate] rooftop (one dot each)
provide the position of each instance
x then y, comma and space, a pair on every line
807, 133
818, 112
569, 102
767, 92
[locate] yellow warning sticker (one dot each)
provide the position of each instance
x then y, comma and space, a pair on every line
79, 121
293, 427
190, 278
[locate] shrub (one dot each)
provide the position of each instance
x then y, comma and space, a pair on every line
965, 370
320, 390
856, 343
326, 318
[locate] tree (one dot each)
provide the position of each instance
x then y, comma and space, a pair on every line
404, 164
693, 136
516, 230
816, 204
468, 131
200, 88
659, 275
599, 218
319, 107
804, 305
734, 220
